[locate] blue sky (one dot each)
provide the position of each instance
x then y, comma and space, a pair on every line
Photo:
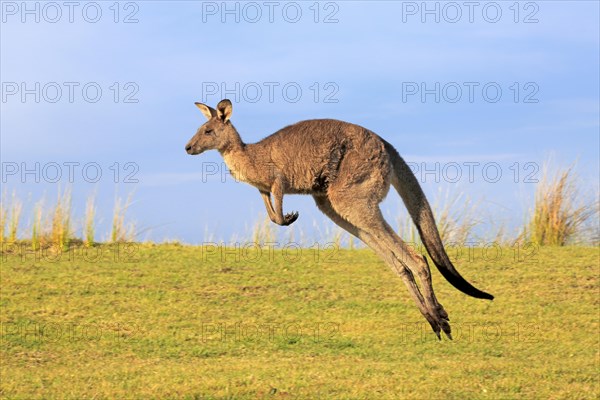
359, 68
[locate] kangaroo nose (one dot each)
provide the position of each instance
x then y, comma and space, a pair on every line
188, 148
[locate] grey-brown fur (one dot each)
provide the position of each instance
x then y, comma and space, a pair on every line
348, 170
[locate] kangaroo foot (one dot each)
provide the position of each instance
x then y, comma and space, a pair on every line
442, 313
445, 325
288, 219
440, 326
439, 322
443, 321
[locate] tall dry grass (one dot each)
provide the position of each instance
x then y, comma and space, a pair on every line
37, 234
122, 231
456, 216
12, 215
561, 214
325, 233
54, 226
3, 216
61, 226
89, 229
263, 232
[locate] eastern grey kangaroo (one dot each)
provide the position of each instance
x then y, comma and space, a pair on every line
348, 170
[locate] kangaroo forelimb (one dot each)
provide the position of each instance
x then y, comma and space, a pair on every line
266, 196
276, 214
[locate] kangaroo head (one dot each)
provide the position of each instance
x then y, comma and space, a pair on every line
217, 133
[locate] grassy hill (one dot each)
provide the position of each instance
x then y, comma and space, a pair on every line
157, 321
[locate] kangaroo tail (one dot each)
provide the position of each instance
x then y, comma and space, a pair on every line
405, 182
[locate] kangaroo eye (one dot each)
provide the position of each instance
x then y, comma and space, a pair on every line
208, 132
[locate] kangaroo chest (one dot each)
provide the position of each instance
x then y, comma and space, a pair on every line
238, 171
245, 171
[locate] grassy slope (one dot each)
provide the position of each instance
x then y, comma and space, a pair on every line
340, 327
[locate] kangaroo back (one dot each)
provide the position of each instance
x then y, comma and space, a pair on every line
413, 197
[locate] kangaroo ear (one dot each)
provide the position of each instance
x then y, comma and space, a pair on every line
224, 109
208, 112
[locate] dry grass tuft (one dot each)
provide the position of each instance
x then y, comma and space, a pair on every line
122, 232
89, 228
11, 216
3, 217
61, 229
37, 233
263, 232
561, 214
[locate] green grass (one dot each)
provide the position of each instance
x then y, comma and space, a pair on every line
146, 322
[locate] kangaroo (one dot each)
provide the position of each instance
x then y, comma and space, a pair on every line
348, 170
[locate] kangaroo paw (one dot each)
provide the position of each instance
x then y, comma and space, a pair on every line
442, 313
288, 219
446, 328
439, 323
441, 326
435, 326
444, 321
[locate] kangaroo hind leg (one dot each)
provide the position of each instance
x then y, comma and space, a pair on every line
419, 266
376, 237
